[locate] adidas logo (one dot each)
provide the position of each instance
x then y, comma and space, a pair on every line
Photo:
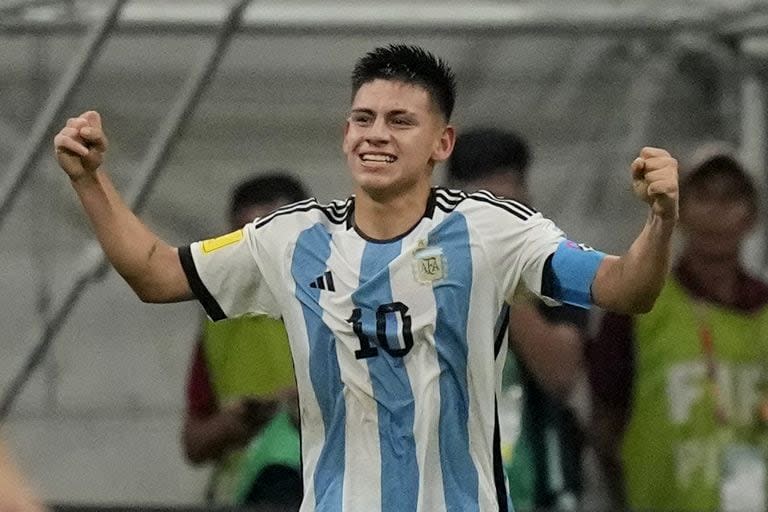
324, 282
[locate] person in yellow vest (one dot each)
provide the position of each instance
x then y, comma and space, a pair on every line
241, 377
680, 391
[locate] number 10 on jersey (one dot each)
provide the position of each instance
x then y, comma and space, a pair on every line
397, 311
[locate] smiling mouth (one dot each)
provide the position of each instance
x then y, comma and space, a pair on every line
378, 158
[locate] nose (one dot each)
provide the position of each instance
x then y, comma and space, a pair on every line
378, 132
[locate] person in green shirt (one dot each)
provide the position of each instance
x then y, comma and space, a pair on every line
679, 391
241, 376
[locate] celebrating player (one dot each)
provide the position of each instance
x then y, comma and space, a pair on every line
390, 296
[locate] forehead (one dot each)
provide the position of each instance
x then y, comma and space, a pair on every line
381, 94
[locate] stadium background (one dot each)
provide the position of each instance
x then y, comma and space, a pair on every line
587, 82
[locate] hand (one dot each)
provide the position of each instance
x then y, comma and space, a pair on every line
251, 414
80, 145
654, 180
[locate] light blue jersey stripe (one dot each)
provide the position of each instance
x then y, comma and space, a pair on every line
389, 380
460, 481
309, 261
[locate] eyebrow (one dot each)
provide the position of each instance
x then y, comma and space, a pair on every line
397, 112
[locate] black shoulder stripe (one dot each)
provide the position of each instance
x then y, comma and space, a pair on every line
447, 208
503, 206
198, 288
336, 212
285, 209
447, 200
450, 194
511, 202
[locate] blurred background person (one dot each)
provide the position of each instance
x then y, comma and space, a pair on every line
545, 360
241, 412
680, 391
15, 494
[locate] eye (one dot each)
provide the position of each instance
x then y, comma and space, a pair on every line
401, 121
360, 118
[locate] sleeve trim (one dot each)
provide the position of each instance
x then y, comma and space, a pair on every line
198, 287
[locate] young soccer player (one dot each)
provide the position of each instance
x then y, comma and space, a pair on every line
389, 297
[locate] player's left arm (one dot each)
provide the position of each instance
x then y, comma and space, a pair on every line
631, 283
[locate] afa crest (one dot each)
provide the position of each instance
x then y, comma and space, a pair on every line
428, 264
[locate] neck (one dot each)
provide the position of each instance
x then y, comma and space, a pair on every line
389, 216
718, 278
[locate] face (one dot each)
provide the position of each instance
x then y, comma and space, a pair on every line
393, 137
715, 223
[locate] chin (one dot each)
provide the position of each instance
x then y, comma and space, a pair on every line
377, 191
376, 179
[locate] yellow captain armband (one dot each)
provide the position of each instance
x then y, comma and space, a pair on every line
213, 244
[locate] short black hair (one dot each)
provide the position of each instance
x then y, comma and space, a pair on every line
266, 188
481, 152
740, 183
412, 65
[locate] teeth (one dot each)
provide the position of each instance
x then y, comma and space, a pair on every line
377, 158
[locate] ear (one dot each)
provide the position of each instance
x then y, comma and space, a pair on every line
444, 146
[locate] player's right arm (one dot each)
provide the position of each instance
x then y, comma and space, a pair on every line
150, 266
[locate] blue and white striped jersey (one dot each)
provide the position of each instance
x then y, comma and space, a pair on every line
397, 343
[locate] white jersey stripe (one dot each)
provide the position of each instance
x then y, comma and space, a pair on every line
309, 259
379, 324
451, 236
423, 370
362, 489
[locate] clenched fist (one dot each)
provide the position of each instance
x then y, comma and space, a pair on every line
655, 181
80, 145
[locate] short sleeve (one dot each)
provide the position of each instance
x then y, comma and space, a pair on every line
516, 240
530, 254
226, 275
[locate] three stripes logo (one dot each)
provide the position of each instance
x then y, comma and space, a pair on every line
324, 282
